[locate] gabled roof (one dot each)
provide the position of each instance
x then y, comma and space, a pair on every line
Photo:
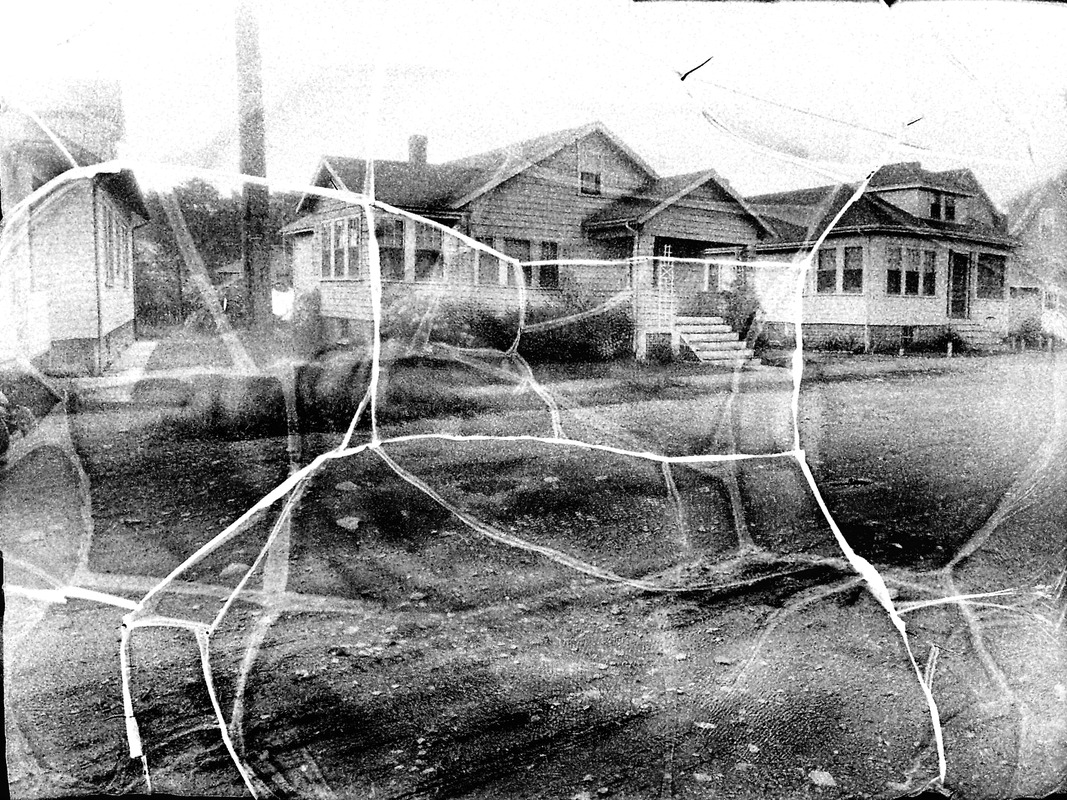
820, 205
663, 193
911, 174
1024, 209
453, 184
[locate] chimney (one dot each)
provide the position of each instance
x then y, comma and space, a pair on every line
417, 150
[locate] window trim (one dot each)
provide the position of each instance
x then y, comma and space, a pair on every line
336, 243
837, 254
923, 266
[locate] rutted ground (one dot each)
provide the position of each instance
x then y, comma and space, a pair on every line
439, 662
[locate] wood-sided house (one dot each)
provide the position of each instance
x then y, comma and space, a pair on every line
918, 254
1039, 223
578, 209
66, 255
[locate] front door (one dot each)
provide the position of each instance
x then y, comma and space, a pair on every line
959, 286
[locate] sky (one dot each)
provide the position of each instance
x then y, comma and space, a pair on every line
794, 94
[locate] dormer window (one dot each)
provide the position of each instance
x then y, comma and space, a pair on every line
935, 206
943, 206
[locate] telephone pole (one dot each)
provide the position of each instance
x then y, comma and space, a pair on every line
255, 245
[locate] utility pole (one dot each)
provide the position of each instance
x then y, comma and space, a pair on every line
255, 246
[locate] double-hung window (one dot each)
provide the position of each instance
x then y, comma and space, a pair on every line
910, 271
341, 247
389, 230
852, 274
826, 272
549, 273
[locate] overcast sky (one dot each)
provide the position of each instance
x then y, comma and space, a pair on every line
795, 93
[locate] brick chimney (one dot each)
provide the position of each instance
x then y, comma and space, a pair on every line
417, 150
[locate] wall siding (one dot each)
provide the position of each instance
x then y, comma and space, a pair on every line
62, 239
544, 202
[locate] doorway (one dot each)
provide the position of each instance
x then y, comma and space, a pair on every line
959, 286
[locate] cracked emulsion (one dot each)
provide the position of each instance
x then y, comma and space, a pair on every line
272, 560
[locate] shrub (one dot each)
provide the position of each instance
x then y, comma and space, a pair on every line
1029, 331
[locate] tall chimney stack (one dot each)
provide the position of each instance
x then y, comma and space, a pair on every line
417, 150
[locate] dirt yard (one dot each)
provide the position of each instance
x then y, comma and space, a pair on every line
472, 618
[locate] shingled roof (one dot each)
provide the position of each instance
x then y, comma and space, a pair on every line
818, 207
661, 194
421, 186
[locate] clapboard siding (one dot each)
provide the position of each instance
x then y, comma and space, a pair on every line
24, 329
545, 202
689, 221
63, 248
116, 300
306, 267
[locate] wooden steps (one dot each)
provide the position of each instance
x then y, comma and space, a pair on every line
712, 341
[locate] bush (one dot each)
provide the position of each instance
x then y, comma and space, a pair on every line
839, 342
940, 343
1029, 331
606, 336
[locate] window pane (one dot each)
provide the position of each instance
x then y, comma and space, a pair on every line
339, 246
826, 277
549, 276
911, 282
519, 249
355, 251
527, 274
892, 281
549, 251
324, 234
852, 277
929, 273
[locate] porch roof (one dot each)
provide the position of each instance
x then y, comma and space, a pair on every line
661, 195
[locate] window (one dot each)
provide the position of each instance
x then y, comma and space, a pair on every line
935, 206
353, 256
950, 208
590, 183
549, 277
341, 247
116, 247
852, 277
519, 249
488, 265
826, 274
929, 288
589, 170
390, 234
991, 270
911, 272
429, 263
339, 239
893, 270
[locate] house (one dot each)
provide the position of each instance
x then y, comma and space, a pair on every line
917, 255
66, 255
573, 212
1039, 223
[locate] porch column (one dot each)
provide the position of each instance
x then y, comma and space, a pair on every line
409, 251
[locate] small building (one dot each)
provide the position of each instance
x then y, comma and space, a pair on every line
1039, 224
66, 255
577, 210
918, 255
